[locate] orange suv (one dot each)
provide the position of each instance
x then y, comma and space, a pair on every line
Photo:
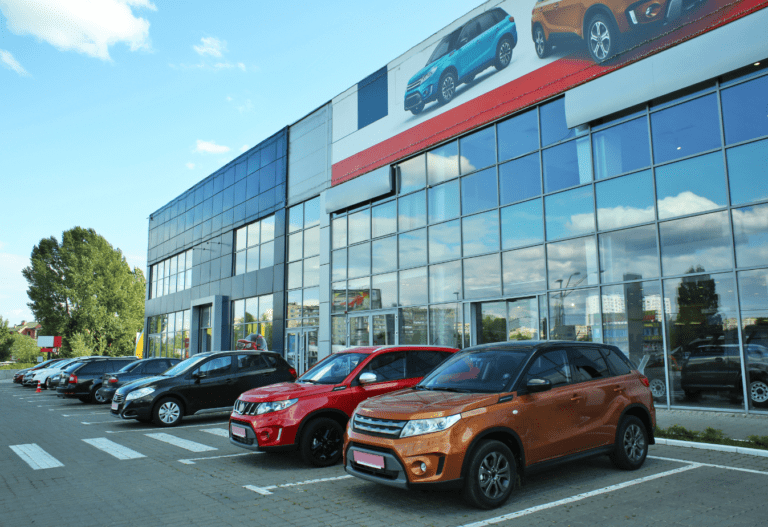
600, 23
490, 414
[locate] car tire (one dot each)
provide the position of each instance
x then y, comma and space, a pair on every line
658, 388
491, 475
758, 393
416, 110
503, 53
48, 384
167, 412
322, 442
96, 397
543, 48
602, 38
631, 444
446, 88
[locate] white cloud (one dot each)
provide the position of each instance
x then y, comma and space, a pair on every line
210, 147
190, 166
244, 148
229, 66
229, 98
211, 46
7, 59
80, 25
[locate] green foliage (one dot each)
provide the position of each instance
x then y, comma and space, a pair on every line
6, 339
759, 441
710, 435
24, 349
18, 366
80, 345
84, 286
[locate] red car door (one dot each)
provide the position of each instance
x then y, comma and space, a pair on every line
389, 368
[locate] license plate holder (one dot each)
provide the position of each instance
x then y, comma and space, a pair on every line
115, 406
238, 431
368, 460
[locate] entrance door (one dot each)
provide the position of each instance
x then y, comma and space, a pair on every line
503, 320
301, 348
376, 329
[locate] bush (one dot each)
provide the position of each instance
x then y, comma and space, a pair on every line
17, 366
710, 435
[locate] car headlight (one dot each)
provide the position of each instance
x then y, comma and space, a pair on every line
419, 427
428, 74
274, 406
138, 394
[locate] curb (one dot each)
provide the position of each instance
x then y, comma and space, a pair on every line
710, 446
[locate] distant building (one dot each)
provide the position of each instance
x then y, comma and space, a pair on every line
30, 329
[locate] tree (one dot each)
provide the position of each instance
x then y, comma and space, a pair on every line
84, 287
24, 348
6, 340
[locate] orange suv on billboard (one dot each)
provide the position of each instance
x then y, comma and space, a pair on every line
492, 413
600, 23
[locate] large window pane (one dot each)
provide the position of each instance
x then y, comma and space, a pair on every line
311, 302
744, 110
478, 150
338, 333
478, 191
567, 165
691, 186
312, 271
625, 201
553, 125
748, 172
695, 245
493, 322
384, 219
295, 244
620, 149
523, 319
482, 277
413, 287
520, 179
575, 315
685, 129
522, 224
268, 229
443, 163
518, 135
359, 260
753, 299
359, 294
294, 275
570, 213
384, 290
445, 241
240, 263
384, 255
296, 218
339, 297
294, 304
359, 226
312, 241
267, 255
412, 211
241, 238
252, 260
445, 327
630, 254
339, 232
413, 248
702, 339
443, 202
253, 234
445, 282
524, 270
412, 174
480, 233
311, 213
750, 232
572, 263
413, 325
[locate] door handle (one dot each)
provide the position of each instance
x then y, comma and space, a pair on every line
576, 397
618, 388
229, 381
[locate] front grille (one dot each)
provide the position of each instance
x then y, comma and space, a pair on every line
413, 99
413, 85
245, 408
381, 427
118, 398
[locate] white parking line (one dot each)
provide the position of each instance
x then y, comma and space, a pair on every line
182, 443
265, 491
192, 461
95, 422
36, 457
113, 449
221, 432
149, 429
738, 469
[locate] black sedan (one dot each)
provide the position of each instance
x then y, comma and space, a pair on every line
134, 371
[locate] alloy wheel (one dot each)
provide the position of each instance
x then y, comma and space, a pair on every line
658, 388
326, 444
494, 475
447, 87
600, 40
505, 53
758, 392
538, 39
169, 412
634, 443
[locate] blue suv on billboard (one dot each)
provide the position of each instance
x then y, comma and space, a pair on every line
486, 40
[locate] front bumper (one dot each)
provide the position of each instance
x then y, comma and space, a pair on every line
107, 393
271, 431
421, 95
135, 409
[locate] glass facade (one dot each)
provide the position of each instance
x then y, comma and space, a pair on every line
169, 335
252, 315
171, 275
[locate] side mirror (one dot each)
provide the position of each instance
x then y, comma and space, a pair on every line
538, 385
199, 375
367, 378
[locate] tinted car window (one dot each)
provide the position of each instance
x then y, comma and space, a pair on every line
618, 366
485, 371
133, 367
250, 363
93, 367
552, 366
217, 366
587, 364
419, 363
156, 366
332, 369
470, 31
387, 367
271, 360
486, 21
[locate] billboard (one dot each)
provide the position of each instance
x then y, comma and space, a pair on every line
503, 56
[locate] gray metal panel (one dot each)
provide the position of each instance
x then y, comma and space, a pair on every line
368, 186
309, 156
671, 70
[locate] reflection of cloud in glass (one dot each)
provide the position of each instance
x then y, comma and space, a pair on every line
524, 270
482, 277
481, 233
444, 242
697, 242
613, 217
413, 248
572, 262
684, 203
750, 229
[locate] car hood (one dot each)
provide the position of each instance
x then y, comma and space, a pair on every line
285, 390
437, 64
422, 404
141, 383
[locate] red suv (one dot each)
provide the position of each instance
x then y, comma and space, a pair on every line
311, 413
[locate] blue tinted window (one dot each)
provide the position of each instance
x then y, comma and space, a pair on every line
443, 202
481, 233
372, 98
620, 149
443, 163
524, 270
553, 126
254, 162
522, 224
748, 172
696, 245
478, 191
445, 241
412, 211
572, 263
629, 254
570, 213
520, 179
567, 165
413, 248
624, 201
745, 110
690, 186
478, 150
518, 135
384, 255
252, 186
412, 174
685, 129
750, 232
482, 277
359, 260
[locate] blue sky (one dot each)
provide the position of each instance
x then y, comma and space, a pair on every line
111, 108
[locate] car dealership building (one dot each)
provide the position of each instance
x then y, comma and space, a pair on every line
504, 181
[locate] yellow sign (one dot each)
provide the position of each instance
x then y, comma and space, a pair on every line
140, 345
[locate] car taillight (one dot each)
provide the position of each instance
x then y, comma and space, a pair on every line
73, 379
512, 19
293, 372
113, 380
645, 381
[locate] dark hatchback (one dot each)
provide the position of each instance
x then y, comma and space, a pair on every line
18, 377
204, 383
134, 371
82, 380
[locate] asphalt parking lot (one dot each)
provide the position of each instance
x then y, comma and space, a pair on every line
65, 462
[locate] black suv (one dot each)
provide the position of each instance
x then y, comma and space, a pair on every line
204, 383
134, 371
83, 379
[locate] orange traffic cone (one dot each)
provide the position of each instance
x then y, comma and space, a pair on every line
38, 387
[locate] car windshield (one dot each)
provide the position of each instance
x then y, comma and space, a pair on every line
333, 370
184, 365
481, 371
444, 47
